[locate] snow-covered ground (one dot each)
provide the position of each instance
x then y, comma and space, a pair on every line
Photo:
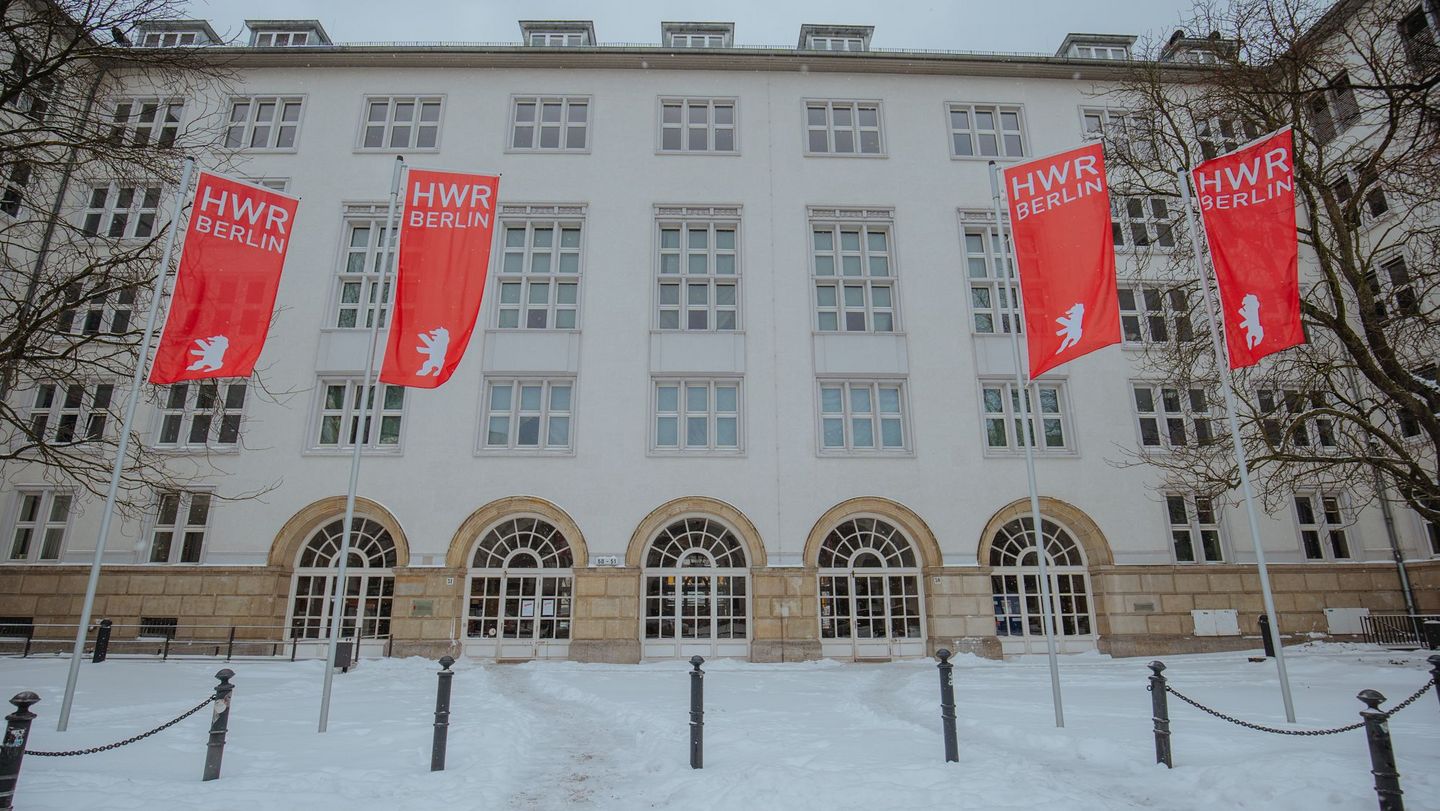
820, 735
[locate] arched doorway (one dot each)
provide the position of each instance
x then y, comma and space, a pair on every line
519, 594
1015, 586
696, 592
871, 605
369, 587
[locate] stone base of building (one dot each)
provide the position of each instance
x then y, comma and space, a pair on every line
425, 648
791, 650
986, 647
609, 651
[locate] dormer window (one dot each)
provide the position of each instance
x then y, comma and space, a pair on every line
175, 34
170, 39
280, 39
286, 33
1109, 47
835, 37
697, 40
697, 35
558, 33
836, 44
1100, 52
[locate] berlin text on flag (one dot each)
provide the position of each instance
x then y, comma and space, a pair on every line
1247, 200
1060, 224
444, 252
225, 287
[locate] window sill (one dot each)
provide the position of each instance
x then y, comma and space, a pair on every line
555, 151
395, 150
843, 155
1017, 453
349, 449
865, 454
528, 453
716, 153
523, 330
170, 450
707, 453
988, 158
260, 150
662, 331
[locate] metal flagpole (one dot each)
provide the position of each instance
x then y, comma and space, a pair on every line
1228, 386
124, 445
337, 608
1027, 439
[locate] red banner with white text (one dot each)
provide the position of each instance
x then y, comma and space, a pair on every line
1247, 200
444, 256
1060, 224
225, 287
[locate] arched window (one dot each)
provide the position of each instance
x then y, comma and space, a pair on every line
1015, 581
696, 590
369, 582
869, 587
520, 590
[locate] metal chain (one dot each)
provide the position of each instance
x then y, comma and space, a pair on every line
142, 736
1301, 732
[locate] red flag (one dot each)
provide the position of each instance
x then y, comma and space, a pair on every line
1247, 199
1060, 223
444, 256
225, 288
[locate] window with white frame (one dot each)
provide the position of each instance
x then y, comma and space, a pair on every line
401, 122
1296, 419
862, 415
1138, 223
30, 94
698, 284
1116, 52
263, 122
539, 274
339, 415
823, 43
280, 39
1172, 416
1322, 521
1155, 314
145, 121
107, 310
986, 130
1417, 34
201, 414
42, 515
1333, 110
181, 518
1219, 134
987, 263
121, 211
369, 249
173, 39
682, 40
529, 414
12, 196
1392, 289
1046, 405
65, 413
1408, 423
854, 277
1432, 531
697, 125
1126, 131
550, 123
557, 39
696, 415
843, 128
1194, 528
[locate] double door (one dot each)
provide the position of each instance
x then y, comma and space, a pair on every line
519, 615
869, 615
691, 613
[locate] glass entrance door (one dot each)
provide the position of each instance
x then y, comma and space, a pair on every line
519, 615
695, 614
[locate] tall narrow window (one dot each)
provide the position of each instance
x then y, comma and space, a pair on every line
699, 275
339, 417
1194, 529
854, 278
987, 263
1322, 522
369, 250
181, 519
539, 280
42, 515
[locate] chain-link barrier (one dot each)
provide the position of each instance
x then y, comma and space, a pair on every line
1300, 732
142, 736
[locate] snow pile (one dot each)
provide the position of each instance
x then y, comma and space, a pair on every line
819, 735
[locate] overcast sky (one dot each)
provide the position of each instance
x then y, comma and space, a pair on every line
1032, 26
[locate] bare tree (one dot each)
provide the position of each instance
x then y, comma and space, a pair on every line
1359, 403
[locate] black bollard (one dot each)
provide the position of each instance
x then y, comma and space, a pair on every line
1382, 754
697, 714
1265, 636
219, 724
1160, 712
1432, 634
1434, 661
947, 705
12, 749
102, 642
442, 714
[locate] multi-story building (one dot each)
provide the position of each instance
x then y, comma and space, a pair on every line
742, 384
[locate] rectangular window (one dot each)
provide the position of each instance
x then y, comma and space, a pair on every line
1334, 109
281, 39
862, 415
697, 40
1001, 404
697, 125
986, 130
121, 212
171, 39
1151, 314
181, 518
696, 415
368, 251
141, 122
65, 413
1221, 134
1409, 424
843, 128
401, 122
105, 311
29, 94
529, 414
699, 276
1126, 132
1322, 524
1296, 419
263, 122
540, 275
158, 627
836, 43
1172, 417
1396, 288
1194, 529
12, 197
201, 414
854, 278
1418, 36
550, 124
339, 417
1142, 222
41, 517
557, 39
986, 259
1116, 52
